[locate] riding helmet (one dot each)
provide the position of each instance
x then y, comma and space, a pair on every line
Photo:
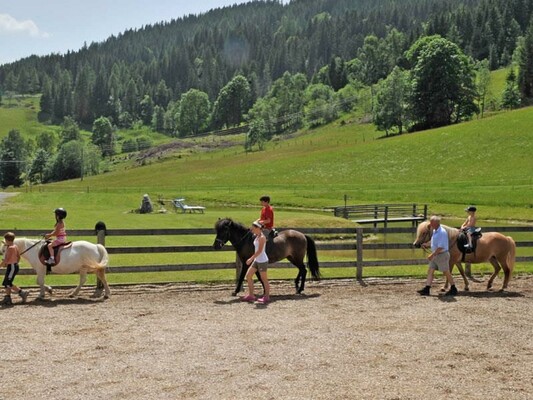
470, 208
61, 212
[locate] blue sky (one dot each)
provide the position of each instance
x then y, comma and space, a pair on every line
55, 26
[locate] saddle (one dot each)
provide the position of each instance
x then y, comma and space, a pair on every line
44, 254
462, 240
270, 242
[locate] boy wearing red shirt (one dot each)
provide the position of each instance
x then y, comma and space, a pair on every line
267, 215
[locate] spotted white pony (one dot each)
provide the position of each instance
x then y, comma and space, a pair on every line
81, 257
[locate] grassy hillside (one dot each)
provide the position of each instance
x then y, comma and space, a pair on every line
486, 162
21, 113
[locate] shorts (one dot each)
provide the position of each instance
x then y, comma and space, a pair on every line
441, 262
11, 271
260, 266
58, 241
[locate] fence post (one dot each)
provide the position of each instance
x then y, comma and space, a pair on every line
100, 230
359, 248
386, 215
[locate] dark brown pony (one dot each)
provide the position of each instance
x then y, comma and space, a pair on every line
289, 244
498, 249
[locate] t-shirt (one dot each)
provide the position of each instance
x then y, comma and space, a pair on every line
439, 239
267, 212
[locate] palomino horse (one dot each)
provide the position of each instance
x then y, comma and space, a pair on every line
493, 247
289, 244
82, 257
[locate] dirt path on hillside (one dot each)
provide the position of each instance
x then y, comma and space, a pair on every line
4, 195
340, 341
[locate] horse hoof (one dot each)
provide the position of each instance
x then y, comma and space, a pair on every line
466, 289
106, 297
234, 293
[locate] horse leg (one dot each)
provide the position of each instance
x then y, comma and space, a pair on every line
445, 287
40, 282
302, 274
240, 279
506, 272
497, 268
462, 272
83, 278
100, 273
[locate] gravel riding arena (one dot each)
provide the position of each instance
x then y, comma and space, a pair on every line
342, 340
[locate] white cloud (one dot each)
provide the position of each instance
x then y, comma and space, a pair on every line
10, 25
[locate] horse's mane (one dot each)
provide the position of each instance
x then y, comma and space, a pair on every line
228, 222
450, 230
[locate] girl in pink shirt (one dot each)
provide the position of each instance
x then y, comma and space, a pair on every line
59, 232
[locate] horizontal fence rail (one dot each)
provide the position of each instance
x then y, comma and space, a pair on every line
382, 213
350, 239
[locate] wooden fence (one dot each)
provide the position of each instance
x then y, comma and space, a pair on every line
352, 240
383, 213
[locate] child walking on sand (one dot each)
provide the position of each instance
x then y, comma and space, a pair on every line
11, 263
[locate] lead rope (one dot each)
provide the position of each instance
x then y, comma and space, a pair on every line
32, 246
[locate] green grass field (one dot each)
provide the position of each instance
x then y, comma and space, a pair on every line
484, 162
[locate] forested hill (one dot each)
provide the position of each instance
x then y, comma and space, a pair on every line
263, 39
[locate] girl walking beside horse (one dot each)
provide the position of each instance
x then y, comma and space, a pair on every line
258, 262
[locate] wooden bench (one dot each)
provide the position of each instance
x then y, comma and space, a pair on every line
382, 213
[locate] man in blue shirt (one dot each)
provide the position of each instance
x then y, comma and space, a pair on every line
439, 257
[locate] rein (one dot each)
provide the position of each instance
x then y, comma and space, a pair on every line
32, 246
450, 244
236, 244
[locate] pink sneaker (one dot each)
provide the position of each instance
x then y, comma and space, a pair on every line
263, 300
248, 298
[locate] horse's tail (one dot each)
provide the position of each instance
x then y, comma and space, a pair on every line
104, 260
312, 259
98, 267
512, 253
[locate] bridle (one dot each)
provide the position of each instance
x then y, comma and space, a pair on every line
428, 233
223, 242
31, 247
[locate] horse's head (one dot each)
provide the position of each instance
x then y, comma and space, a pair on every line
222, 228
3, 247
423, 234
229, 231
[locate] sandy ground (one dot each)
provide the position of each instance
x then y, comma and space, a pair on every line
343, 340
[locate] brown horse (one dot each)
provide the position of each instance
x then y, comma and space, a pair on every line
493, 247
289, 244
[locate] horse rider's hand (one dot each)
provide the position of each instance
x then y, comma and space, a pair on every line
47, 236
